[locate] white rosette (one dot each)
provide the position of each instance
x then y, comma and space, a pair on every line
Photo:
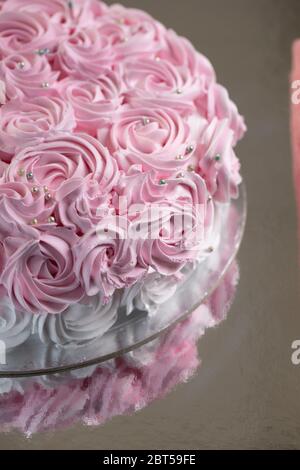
79, 324
15, 326
149, 294
155, 290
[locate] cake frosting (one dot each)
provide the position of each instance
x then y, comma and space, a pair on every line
79, 323
104, 114
15, 326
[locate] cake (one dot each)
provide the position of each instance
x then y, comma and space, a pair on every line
117, 166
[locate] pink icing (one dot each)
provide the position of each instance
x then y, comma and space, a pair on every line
181, 53
26, 32
3, 168
24, 75
62, 157
152, 137
78, 54
19, 205
23, 122
39, 270
160, 82
220, 105
97, 103
217, 162
166, 254
131, 33
66, 14
82, 203
106, 259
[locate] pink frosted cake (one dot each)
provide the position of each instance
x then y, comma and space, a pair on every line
113, 130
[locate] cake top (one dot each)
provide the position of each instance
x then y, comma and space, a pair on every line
104, 114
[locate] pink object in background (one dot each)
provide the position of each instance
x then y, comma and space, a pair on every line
295, 122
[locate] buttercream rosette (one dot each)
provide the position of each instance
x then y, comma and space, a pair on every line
104, 114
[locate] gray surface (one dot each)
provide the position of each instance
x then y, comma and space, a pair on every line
246, 394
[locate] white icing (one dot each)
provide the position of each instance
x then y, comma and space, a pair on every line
128, 296
149, 294
79, 324
15, 326
155, 290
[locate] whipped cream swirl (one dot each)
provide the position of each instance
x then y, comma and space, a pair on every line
153, 291
63, 157
27, 75
22, 122
156, 138
15, 326
95, 102
39, 270
26, 32
79, 324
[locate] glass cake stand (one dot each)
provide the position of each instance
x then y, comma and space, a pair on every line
130, 332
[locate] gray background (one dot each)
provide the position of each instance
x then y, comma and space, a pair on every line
246, 393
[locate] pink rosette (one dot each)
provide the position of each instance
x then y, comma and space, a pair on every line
3, 169
221, 106
79, 54
217, 162
27, 75
161, 83
179, 52
82, 204
3, 292
106, 258
137, 187
61, 158
169, 220
175, 77
157, 138
95, 102
36, 6
39, 270
131, 32
26, 32
19, 206
63, 12
22, 121
166, 250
